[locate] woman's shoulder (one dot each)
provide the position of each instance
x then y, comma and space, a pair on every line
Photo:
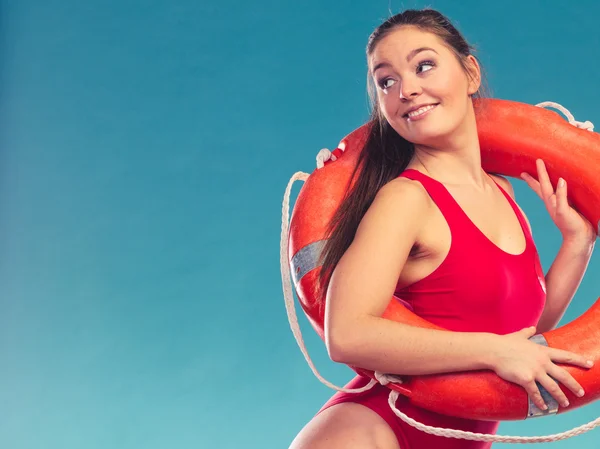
394, 220
402, 195
504, 183
405, 189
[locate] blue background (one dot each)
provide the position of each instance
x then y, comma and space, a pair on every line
145, 149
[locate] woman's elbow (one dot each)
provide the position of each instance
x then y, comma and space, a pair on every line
338, 345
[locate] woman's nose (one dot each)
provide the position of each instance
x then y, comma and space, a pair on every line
409, 90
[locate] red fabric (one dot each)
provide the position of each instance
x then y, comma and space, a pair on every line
477, 288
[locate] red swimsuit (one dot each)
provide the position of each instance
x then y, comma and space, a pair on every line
477, 288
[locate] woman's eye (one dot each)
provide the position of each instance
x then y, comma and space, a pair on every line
425, 64
384, 83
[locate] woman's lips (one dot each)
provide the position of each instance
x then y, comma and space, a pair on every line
422, 115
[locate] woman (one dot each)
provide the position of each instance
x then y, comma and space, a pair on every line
425, 223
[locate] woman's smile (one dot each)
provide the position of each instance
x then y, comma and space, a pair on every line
420, 113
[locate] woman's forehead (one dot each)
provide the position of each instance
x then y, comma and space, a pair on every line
400, 43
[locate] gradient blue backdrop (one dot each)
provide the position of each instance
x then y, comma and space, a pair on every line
145, 148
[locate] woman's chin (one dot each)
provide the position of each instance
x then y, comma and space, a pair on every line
424, 138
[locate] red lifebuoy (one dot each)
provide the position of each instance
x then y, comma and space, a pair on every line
512, 136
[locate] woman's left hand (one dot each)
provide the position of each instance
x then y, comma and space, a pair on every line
571, 224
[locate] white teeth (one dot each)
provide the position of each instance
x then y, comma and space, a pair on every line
421, 110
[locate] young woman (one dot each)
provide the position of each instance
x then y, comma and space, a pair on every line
425, 223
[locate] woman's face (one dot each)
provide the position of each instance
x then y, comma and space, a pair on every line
414, 69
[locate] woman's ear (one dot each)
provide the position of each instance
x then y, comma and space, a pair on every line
474, 72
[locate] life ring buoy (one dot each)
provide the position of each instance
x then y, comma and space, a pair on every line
512, 136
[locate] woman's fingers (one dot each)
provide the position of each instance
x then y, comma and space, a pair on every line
552, 387
562, 202
544, 180
562, 356
534, 393
533, 183
541, 186
561, 375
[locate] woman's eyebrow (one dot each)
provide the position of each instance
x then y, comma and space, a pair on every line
411, 55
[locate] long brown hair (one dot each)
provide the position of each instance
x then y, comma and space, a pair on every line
385, 154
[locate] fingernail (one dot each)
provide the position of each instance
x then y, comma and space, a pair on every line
561, 182
590, 363
580, 393
544, 407
566, 404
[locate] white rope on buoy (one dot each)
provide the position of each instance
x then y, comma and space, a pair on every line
583, 125
323, 156
461, 434
288, 294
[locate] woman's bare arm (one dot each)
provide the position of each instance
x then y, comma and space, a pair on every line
363, 283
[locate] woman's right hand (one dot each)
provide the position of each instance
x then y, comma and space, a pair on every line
517, 359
